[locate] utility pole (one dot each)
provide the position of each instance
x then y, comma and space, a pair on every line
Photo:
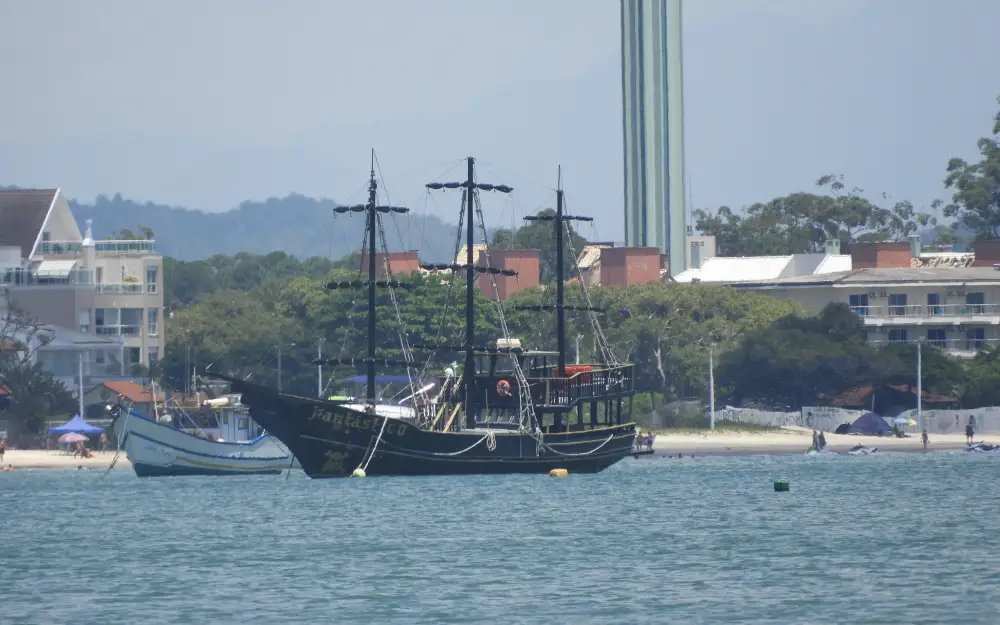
80, 391
920, 389
711, 391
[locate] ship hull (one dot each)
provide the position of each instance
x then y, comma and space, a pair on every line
156, 450
331, 440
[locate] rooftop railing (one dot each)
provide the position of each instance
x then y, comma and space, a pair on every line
111, 246
949, 344
118, 330
120, 288
84, 277
927, 310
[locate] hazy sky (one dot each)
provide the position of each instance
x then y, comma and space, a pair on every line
208, 103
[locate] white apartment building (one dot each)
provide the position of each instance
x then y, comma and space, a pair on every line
950, 301
109, 288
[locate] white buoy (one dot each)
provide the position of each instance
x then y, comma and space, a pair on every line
359, 472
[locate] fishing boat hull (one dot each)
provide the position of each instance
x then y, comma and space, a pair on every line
332, 440
157, 450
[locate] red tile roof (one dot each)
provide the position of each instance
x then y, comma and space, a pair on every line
131, 391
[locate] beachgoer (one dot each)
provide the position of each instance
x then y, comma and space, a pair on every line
815, 441
8, 468
822, 441
3, 447
924, 439
104, 441
969, 431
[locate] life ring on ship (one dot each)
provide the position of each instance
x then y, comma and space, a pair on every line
503, 388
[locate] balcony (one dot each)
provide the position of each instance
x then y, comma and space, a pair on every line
120, 288
118, 330
920, 314
956, 346
113, 246
19, 278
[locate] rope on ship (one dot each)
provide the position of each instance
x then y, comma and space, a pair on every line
542, 444
121, 439
491, 445
364, 463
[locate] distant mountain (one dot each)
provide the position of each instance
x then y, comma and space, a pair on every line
297, 225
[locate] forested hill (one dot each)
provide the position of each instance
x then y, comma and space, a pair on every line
295, 224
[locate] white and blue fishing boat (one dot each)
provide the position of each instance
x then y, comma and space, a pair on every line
158, 446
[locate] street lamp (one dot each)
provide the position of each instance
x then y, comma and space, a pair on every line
280, 346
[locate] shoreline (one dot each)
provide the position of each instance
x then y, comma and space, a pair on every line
778, 442
793, 440
42, 459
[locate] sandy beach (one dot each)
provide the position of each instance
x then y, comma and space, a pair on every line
719, 443
798, 440
43, 459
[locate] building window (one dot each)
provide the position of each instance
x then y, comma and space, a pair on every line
859, 304
152, 317
897, 336
936, 337
975, 338
154, 354
975, 303
46, 237
134, 355
934, 304
151, 279
99, 275
83, 319
897, 304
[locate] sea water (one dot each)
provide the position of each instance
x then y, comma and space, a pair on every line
907, 538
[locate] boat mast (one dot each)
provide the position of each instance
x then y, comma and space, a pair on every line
371, 211
559, 220
560, 284
370, 361
470, 186
469, 375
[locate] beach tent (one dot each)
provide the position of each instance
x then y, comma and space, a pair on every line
76, 424
870, 424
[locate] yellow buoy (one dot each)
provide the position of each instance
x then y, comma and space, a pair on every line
558, 473
359, 472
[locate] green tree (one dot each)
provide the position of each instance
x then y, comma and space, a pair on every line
33, 393
664, 329
801, 361
976, 187
540, 235
804, 222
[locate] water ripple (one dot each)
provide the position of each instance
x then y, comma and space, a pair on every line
906, 538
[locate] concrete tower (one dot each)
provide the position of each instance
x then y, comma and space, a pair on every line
653, 124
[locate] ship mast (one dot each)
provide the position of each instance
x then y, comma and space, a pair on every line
469, 373
370, 360
559, 220
371, 210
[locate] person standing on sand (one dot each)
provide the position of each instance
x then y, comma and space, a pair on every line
924, 439
104, 441
3, 447
969, 429
815, 441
